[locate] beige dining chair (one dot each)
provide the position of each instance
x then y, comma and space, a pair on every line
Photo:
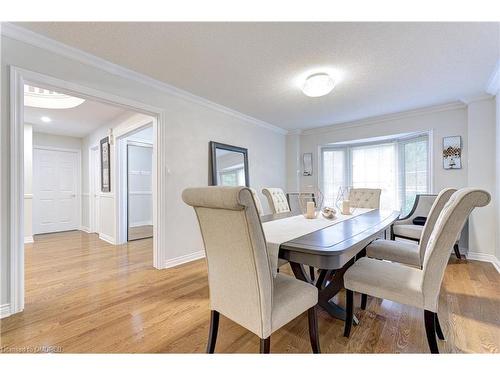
241, 284
410, 285
258, 203
410, 253
365, 198
276, 199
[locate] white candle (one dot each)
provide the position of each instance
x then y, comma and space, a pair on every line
310, 210
346, 207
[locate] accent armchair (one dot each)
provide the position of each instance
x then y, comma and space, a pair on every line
242, 286
405, 228
409, 252
409, 285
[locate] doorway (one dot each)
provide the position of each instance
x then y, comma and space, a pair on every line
20, 199
139, 185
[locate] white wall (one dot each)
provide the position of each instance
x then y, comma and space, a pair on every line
56, 141
28, 183
497, 168
481, 173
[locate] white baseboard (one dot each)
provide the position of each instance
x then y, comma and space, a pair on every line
184, 259
140, 223
84, 229
485, 258
28, 239
5, 310
107, 238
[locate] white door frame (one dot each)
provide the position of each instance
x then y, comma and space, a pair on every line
121, 175
18, 77
78, 175
94, 177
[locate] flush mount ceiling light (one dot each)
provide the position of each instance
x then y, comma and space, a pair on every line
45, 119
42, 98
318, 84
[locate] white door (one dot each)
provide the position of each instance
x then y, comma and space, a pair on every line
55, 200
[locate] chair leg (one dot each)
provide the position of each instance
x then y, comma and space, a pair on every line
313, 329
265, 345
349, 296
363, 301
212, 333
430, 330
457, 251
311, 273
439, 331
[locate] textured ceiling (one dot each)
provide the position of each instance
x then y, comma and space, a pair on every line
75, 122
255, 68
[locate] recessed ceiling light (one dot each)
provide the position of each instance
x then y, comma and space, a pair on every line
45, 119
43, 98
318, 84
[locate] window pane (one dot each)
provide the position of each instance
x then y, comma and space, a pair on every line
415, 171
374, 167
333, 174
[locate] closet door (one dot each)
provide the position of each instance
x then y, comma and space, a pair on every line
140, 191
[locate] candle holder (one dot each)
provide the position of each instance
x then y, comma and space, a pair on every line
311, 203
343, 204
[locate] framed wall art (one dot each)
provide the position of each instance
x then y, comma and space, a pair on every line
307, 164
452, 152
105, 166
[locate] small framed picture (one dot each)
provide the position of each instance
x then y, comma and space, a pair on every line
452, 152
307, 164
105, 166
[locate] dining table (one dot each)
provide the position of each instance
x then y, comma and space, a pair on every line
331, 250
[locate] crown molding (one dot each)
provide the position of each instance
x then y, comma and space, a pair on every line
387, 117
494, 82
478, 98
295, 132
27, 36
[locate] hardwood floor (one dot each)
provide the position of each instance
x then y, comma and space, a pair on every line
140, 232
84, 295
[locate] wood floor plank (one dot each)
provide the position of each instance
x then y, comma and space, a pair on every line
84, 295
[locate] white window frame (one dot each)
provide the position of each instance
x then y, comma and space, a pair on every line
399, 140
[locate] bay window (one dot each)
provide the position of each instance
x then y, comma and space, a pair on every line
397, 165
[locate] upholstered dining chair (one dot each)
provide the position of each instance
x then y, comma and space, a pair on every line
410, 253
365, 198
258, 203
241, 284
406, 229
413, 286
276, 199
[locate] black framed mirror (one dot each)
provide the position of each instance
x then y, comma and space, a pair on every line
229, 165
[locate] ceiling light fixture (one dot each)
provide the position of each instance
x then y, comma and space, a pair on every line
43, 98
45, 119
318, 84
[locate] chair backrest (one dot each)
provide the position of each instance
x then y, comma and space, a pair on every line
294, 200
446, 229
239, 272
276, 199
258, 203
365, 198
439, 202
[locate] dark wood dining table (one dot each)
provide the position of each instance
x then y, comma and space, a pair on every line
331, 251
